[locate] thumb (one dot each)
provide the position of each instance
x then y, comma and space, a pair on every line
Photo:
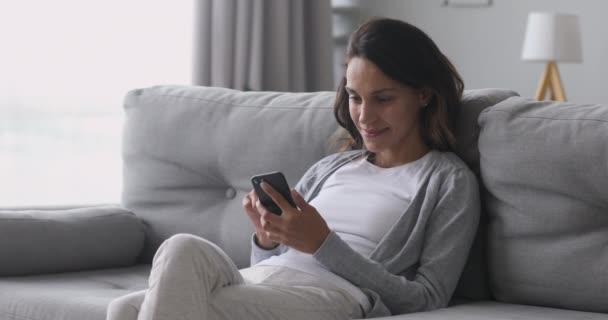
299, 200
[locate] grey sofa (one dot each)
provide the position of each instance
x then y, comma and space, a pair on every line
541, 251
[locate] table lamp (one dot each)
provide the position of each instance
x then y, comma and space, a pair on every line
552, 38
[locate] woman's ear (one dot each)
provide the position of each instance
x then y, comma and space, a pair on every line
425, 95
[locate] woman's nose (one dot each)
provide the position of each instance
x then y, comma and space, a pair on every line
366, 113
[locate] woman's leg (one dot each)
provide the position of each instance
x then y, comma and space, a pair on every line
126, 307
192, 278
277, 293
185, 271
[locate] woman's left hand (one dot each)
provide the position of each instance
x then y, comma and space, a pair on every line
301, 228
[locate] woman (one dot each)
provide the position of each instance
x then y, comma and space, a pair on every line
382, 229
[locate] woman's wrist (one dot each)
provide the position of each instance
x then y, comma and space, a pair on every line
263, 242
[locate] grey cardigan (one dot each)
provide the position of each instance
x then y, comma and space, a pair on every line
417, 264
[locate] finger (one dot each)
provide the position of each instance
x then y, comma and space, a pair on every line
258, 205
246, 202
250, 207
270, 217
267, 214
276, 238
269, 227
299, 200
253, 196
276, 196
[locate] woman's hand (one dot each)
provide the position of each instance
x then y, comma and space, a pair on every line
249, 204
301, 228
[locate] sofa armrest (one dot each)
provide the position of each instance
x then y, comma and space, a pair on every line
64, 240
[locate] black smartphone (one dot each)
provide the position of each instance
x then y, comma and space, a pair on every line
279, 183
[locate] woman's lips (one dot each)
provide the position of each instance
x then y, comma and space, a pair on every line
373, 133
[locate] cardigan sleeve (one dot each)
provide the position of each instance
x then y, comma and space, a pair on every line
259, 254
448, 236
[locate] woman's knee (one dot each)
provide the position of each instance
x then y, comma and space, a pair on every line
126, 307
187, 245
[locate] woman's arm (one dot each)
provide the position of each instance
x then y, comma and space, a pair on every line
448, 237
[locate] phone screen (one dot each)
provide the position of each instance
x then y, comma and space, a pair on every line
278, 182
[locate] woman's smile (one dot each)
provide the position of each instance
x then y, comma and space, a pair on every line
373, 133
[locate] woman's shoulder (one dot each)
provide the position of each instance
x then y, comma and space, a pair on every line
449, 160
448, 163
450, 173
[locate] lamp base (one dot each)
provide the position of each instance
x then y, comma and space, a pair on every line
551, 81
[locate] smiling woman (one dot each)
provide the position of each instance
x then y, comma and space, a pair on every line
61, 87
386, 113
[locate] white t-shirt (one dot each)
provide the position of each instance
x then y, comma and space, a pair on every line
360, 202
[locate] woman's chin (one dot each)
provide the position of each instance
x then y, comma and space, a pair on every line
372, 147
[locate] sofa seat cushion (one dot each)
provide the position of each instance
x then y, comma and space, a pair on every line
484, 310
544, 165
68, 296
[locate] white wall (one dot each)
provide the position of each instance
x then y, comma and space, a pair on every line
485, 43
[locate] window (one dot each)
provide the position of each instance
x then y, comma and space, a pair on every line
345, 17
65, 67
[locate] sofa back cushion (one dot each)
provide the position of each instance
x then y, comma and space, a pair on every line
474, 282
189, 153
545, 165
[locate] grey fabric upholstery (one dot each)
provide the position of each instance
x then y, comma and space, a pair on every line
491, 310
40, 241
474, 283
545, 167
189, 154
68, 296
467, 128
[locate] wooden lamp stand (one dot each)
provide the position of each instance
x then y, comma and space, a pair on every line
551, 81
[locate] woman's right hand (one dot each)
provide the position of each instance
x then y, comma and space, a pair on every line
249, 204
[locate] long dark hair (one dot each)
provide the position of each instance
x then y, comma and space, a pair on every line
407, 55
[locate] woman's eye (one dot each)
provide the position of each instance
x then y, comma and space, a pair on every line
384, 99
354, 98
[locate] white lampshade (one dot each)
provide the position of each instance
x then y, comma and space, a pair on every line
552, 37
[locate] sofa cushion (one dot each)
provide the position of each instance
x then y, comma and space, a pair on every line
189, 154
545, 167
467, 128
473, 282
44, 241
491, 310
68, 296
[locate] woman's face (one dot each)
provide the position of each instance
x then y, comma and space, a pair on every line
384, 111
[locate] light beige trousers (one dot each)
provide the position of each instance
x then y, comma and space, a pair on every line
193, 279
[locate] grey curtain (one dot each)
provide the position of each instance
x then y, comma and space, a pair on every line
271, 45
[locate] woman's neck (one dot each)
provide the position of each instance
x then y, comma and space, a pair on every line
387, 159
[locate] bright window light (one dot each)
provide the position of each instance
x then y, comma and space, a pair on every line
65, 67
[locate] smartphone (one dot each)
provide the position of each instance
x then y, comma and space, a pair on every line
279, 183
